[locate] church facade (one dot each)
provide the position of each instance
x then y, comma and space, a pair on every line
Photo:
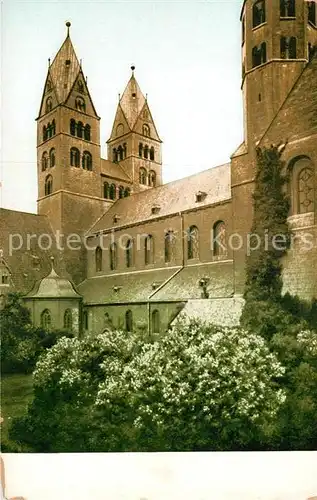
134, 252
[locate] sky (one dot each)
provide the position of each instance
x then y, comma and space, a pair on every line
187, 58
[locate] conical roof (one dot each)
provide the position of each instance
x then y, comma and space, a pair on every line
53, 286
132, 101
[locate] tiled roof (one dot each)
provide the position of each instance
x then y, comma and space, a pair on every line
31, 262
132, 101
132, 287
222, 312
53, 286
185, 285
64, 75
114, 170
172, 198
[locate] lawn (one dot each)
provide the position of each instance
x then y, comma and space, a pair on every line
16, 393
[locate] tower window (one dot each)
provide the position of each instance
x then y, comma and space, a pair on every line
121, 191
146, 130
68, 320
46, 320
119, 130
44, 133
80, 129
152, 178
72, 127
52, 157
152, 153
44, 161
126, 192
112, 192
148, 250
146, 152
287, 8
48, 185
114, 155
53, 128
258, 13
106, 190
288, 47
140, 149
98, 259
312, 12
80, 103
129, 321
142, 176
48, 105
80, 86
87, 160
87, 132
124, 150
259, 55
120, 153
113, 256
74, 157
193, 243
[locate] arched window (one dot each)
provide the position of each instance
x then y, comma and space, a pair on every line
146, 130
112, 192
168, 245
48, 185
52, 157
114, 155
140, 149
129, 253
68, 320
149, 250
49, 131
146, 152
80, 104
155, 321
288, 47
80, 129
287, 8
72, 127
53, 127
120, 153
113, 256
193, 243
87, 160
142, 176
129, 321
74, 157
124, 150
258, 13
46, 320
259, 55
44, 133
87, 132
106, 190
219, 239
152, 153
44, 161
119, 129
121, 191
48, 105
305, 187
127, 192
152, 178
312, 12
98, 259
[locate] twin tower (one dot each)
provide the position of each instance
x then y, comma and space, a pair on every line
278, 39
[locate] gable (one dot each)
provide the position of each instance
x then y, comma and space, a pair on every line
49, 94
120, 125
297, 116
145, 118
80, 93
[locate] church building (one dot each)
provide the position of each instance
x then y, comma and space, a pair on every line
112, 244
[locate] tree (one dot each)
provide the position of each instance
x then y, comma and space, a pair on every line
199, 387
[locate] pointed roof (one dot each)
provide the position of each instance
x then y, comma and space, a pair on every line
132, 100
64, 69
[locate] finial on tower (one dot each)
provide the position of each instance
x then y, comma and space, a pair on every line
132, 68
68, 24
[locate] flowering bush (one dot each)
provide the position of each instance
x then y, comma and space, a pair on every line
199, 387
